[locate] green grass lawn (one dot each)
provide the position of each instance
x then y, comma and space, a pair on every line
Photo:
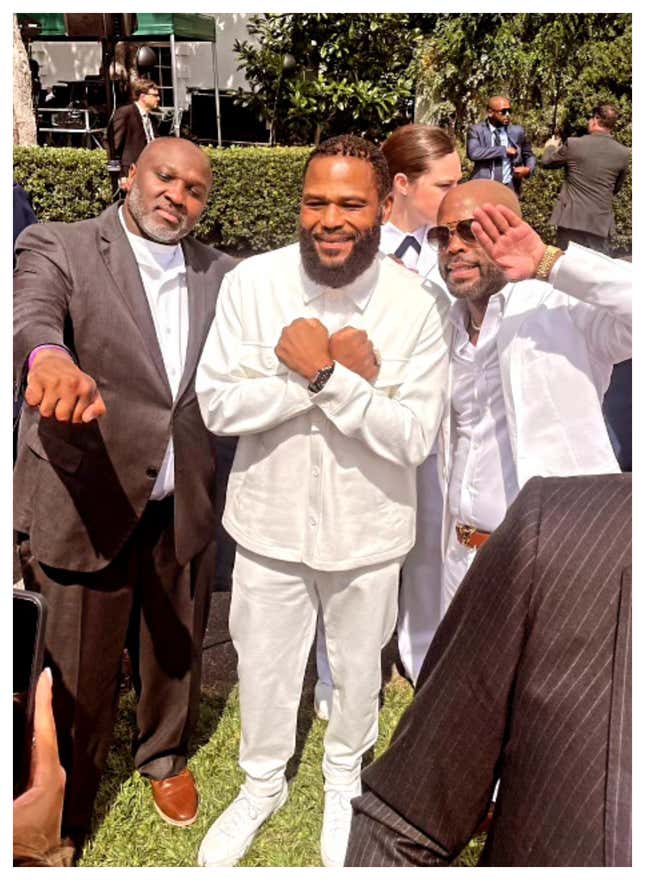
129, 833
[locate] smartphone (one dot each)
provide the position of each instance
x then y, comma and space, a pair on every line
29, 616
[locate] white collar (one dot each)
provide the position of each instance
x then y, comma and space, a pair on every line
154, 254
458, 313
359, 291
392, 232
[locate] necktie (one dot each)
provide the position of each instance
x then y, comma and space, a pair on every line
497, 164
147, 127
408, 242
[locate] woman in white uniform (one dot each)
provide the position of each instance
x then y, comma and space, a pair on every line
424, 165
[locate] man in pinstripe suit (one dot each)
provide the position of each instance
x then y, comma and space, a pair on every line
528, 681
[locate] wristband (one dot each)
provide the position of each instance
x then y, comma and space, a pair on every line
38, 348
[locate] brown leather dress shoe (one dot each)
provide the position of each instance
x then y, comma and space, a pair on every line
175, 798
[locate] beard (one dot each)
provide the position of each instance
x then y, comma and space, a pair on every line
491, 279
360, 258
155, 230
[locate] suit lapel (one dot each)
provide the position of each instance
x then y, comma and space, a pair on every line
121, 264
198, 315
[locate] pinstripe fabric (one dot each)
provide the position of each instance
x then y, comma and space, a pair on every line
528, 680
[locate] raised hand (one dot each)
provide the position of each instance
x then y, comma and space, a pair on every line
508, 240
60, 389
352, 348
304, 347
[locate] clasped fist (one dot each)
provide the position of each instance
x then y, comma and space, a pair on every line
304, 347
60, 389
353, 349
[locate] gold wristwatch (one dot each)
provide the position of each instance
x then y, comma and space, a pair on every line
549, 257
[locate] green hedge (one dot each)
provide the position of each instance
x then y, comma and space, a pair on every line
253, 205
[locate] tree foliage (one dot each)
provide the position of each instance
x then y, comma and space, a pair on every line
354, 73
554, 68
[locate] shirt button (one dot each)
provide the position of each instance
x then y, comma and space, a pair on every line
315, 472
312, 521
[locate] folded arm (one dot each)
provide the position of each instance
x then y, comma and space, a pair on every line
398, 417
238, 389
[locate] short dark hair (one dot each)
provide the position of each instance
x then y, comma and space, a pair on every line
606, 114
357, 148
142, 87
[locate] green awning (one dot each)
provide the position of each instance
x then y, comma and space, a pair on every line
185, 26
52, 24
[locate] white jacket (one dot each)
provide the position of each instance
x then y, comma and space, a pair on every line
325, 479
557, 347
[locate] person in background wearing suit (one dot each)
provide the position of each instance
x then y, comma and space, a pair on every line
23, 212
132, 127
423, 164
528, 682
500, 151
115, 478
595, 169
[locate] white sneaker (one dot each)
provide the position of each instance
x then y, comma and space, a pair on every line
322, 700
337, 820
232, 833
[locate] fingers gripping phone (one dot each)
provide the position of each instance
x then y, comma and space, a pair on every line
29, 615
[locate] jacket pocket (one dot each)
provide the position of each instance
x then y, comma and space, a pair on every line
260, 360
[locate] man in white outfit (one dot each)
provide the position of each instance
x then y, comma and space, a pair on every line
534, 339
424, 165
336, 389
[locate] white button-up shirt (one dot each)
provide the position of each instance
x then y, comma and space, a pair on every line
507, 168
325, 479
163, 275
391, 238
483, 482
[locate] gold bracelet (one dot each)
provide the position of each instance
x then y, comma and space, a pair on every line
549, 257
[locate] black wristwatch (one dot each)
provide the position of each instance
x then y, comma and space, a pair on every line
320, 379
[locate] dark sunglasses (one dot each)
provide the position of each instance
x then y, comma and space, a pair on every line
505, 111
441, 235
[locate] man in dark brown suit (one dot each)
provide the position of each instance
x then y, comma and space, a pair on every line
115, 477
596, 165
528, 681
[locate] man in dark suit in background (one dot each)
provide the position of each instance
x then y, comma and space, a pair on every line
595, 168
132, 126
500, 151
528, 681
115, 478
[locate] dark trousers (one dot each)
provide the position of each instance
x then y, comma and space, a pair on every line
596, 242
143, 600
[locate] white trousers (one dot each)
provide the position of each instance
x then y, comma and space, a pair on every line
420, 595
274, 605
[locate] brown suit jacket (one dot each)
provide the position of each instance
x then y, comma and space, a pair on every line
596, 166
79, 490
528, 681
